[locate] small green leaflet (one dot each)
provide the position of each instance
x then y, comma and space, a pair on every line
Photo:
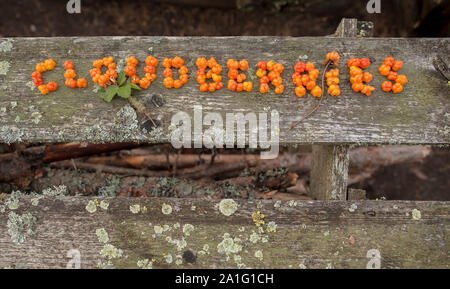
125, 91
121, 78
123, 88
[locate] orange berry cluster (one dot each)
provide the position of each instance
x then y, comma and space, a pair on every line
109, 75
333, 57
176, 62
213, 73
308, 80
49, 64
70, 75
150, 71
358, 78
236, 80
388, 69
332, 75
274, 76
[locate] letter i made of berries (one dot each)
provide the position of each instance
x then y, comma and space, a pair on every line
213, 73
150, 71
389, 69
176, 62
49, 64
358, 78
236, 80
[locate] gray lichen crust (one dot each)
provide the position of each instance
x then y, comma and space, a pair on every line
20, 226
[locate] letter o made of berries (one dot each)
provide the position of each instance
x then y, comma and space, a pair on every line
109, 76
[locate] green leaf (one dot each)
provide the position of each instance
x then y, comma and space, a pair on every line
121, 78
109, 93
125, 91
134, 86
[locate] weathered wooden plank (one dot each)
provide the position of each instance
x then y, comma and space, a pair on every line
418, 115
311, 234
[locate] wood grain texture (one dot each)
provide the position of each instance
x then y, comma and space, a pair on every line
313, 233
418, 115
329, 172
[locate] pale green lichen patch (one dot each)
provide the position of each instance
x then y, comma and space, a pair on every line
227, 207
352, 208
271, 227
169, 259
104, 205
144, 264
229, 245
4, 67
56, 191
111, 252
91, 207
20, 226
166, 209
6, 46
416, 215
31, 85
10, 134
135, 209
259, 255
187, 229
13, 201
102, 235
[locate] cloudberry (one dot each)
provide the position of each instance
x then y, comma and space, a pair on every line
386, 86
177, 62
204, 87
392, 75
81, 82
357, 86
300, 91
239, 87
167, 72
364, 63
130, 70
300, 67
398, 64
183, 70
68, 65
168, 82
353, 62
389, 61
367, 77
263, 88
279, 89
152, 61
277, 81
43, 89
401, 79
201, 62
397, 87
309, 66
384, 69
260, 73
243, 65
183, 78
52, 86
333, 56
316, 91
270, 65
262, 65
70, 73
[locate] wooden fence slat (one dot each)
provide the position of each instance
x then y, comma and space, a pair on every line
311, 234
417, 115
